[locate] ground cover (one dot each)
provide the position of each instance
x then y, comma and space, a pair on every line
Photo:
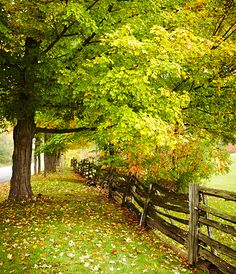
72, 228
225, 181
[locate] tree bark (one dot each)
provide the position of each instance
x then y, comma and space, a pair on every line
50, 159
37, 159
50, 163
39, 163
20, 187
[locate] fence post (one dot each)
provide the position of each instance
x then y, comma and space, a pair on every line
126, 191
209, 228
133, 188
145, 208
193, 224
110, 182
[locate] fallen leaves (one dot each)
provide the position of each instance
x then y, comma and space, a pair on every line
80, 234
9, 256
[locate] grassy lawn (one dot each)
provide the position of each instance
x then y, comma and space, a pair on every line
226, 181
75, 229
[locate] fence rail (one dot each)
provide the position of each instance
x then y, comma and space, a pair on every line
185, 218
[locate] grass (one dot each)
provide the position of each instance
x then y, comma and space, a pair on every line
226, 181
72, 228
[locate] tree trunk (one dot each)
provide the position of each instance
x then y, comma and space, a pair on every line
50, 159
39, 163
35, 161
50, 163
20, 187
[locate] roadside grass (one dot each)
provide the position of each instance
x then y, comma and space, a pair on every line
226, 181
72, 228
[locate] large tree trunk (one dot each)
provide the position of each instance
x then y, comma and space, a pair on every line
20, 186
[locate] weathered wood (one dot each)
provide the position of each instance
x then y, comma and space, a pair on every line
118, 189
133, 189
171, 245
182, 221
126, 193
117, 197
223, 227
176, 200
179, 231
218, 213
168, 229
110, 182
138, 200
168, 200
139, 191
133, 209
145, 208
218, 246
193, 224
161, 203
146, 203
209, 228
221, 264
228, 195
170, 193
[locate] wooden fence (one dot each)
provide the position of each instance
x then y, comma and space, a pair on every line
185, 218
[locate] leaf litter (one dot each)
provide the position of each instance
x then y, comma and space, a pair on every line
74, 228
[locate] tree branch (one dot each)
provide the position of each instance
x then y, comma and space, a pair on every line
230, 4
66, 130
94, 3
59, 36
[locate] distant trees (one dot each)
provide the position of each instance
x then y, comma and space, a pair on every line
6, 149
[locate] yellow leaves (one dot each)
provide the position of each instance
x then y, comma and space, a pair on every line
95, 235
195, 5
9, 256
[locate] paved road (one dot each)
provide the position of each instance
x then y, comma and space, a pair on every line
5, 173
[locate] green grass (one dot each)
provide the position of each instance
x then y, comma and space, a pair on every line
226, 181
76, 229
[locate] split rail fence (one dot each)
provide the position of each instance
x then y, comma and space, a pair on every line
185, 218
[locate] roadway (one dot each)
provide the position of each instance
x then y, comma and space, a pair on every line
5, 174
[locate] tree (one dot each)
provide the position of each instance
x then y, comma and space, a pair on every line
177, 84
45, 46
52, 148
131, 67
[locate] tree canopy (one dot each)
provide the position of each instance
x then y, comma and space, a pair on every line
143, 74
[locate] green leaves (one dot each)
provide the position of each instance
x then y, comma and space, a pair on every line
137, 70
55, 143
